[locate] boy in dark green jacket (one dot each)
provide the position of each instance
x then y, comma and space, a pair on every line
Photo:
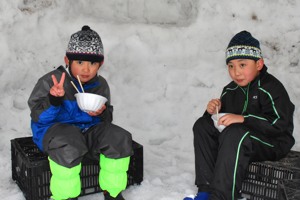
258, 126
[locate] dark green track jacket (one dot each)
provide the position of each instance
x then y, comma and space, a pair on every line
264, 103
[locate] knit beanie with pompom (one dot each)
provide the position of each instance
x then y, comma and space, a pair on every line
85, 45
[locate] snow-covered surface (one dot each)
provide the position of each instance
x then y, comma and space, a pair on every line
164, 60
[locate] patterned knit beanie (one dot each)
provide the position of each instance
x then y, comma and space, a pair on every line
243, 46
85, 45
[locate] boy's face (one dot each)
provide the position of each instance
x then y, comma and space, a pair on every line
243, 71
86, 70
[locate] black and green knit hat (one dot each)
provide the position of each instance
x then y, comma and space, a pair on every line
85, 45
243, 46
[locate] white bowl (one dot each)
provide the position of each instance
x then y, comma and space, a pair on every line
89, 102
214, 118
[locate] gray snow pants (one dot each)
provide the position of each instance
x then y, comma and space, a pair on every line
67, 145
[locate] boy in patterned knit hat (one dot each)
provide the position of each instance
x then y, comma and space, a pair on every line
258, 126
67, 134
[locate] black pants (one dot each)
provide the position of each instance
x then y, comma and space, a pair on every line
221, 159
67, 145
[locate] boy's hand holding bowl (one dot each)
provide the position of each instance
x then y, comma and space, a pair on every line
215, 118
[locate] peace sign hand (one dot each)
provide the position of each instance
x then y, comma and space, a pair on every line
57, 89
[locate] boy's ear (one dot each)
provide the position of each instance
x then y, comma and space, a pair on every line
101, 63
66, 60
260, 64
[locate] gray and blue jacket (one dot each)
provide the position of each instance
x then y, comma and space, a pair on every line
47, 110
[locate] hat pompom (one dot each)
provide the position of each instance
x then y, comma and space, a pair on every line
85, 28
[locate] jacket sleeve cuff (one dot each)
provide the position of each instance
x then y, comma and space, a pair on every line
246, 120
55, 101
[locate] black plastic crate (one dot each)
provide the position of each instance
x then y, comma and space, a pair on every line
31, 171
263, 179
